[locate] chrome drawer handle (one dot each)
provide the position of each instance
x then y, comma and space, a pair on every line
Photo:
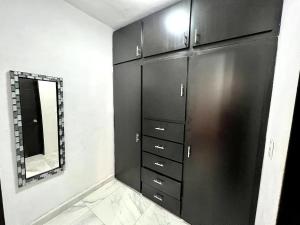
159, 164
159, 198
159, 128
159, 147
158, 181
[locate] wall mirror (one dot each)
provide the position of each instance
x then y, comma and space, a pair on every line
37, 103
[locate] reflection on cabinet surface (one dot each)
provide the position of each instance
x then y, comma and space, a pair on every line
219, 20
167, 30
127, 43
228, 101
127, 107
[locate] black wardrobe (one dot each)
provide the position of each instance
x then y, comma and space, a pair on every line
192, 89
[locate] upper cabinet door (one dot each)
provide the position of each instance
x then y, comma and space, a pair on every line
164, 88
127, 43
167, 30
218, 20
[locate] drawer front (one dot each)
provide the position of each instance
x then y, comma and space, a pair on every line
162, 183
162, 165
164, 200
164, 130
162, 148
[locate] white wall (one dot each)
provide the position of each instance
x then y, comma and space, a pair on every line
53, 38
281, 113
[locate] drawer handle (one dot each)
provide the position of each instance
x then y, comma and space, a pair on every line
159, 128
159, 164
158, 197
158, 181
159, 147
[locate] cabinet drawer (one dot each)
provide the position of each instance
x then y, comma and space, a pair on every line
162, 165
164, 200
164, 130
162, 183
162, 148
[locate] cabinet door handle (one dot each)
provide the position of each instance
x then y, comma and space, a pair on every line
189, 151
196, 37
158, 181
181, 90
159, 147
159, 164
138, 51
159, 128
186, 40
158, 197
137, 137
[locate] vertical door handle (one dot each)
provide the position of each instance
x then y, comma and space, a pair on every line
137, 137
186, 40
181, 90
189, 151
138, 51
196, 37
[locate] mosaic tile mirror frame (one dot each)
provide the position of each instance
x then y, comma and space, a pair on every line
38, 118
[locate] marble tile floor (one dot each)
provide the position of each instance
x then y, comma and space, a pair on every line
115, 204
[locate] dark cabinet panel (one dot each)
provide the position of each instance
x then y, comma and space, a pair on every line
127, 43
163, 148
162, 199
127, 107
228, 102
168, 131
164, 166
1, 209
162, 183
164, 89
167, 30
219, 20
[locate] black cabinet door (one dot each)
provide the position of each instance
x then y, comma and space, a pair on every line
164, 89
127, 43
1, 209
167, 30
127, 107
219, 20
228, 102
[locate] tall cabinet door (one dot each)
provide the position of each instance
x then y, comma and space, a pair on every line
127, 43
167, 30
164, 90
228, 102
219, 20
127, 108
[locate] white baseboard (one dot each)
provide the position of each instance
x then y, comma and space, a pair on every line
54, 212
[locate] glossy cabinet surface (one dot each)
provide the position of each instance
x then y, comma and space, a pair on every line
163, 130
163, 148
228, 101
127, 43
218, 20
162, 199
127, 107
162, 165
167, 30
164, 89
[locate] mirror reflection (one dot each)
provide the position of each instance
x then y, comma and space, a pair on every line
38, 101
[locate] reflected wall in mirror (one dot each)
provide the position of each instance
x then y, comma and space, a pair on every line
38, 125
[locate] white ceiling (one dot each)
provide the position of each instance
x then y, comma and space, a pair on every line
117, 13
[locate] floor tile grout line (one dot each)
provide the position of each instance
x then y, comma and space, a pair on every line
96, 216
